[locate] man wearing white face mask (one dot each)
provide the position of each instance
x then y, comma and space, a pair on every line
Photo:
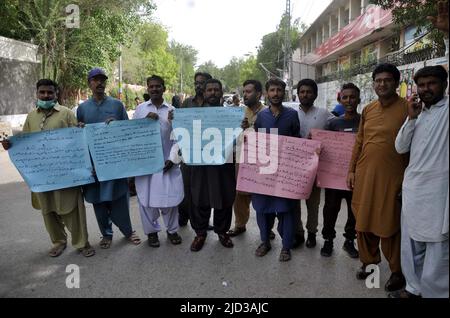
64, 207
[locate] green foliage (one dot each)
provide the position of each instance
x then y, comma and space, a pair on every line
271, 50
68, 54
186, 58
413, 12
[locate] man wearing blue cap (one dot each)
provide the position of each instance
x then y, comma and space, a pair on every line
109, 198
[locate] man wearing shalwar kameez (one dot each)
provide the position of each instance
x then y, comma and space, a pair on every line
64, 207
212, 187
109, 198
160, 193
269, 207
424, 247
376, 174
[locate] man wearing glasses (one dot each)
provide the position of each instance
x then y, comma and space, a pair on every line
376, 174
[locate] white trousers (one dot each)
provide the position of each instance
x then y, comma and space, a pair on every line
150, 216
425, 266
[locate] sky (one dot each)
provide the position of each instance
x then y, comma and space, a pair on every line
221, 29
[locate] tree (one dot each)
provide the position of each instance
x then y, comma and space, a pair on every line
270, 52
211, 68
413, 12
67, 54
148, 54
186, 58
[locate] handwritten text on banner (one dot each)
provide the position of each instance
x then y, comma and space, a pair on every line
207, 133
335, 156
125, 148
53, 159
297, 166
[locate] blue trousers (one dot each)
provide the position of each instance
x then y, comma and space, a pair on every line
117, 212
286, 226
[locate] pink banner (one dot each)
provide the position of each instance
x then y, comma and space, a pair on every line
335, 156
287, 172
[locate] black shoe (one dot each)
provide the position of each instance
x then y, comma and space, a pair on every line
153, 240
236, 231
349, 247
327, 248
272, 235
403, 293
396, 281
225, 240
299, 239
361, 274
311, 241
210, 227
174, 238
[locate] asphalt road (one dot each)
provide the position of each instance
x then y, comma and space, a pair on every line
168, 271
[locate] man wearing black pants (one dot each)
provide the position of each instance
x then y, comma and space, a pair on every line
349, 122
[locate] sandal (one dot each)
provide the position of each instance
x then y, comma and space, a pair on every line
87, 250
174, 238
134, 238
57, 249
285, 255
263, 249
105, 242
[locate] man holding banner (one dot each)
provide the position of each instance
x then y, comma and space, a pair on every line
160, 193
267, 207
109, 198
252, 95
64, 207
349, 122
212, 187
310, 117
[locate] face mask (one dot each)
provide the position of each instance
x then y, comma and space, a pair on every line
45, 104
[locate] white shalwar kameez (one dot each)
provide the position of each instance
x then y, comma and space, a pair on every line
160, 193
425, 191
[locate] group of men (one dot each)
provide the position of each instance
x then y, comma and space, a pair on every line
398, 176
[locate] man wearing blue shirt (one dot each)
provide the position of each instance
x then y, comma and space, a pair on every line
109, 198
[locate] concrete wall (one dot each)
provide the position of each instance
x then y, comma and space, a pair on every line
328, 91
19, 72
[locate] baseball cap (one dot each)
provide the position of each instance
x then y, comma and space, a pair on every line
96, 71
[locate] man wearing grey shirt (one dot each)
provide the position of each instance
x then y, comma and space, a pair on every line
425, 217
310, 117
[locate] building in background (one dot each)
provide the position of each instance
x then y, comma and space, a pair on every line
348, 39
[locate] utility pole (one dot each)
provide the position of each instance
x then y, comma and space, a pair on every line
287, 50
181, 76
120, 73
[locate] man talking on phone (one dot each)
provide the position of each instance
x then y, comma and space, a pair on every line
425, 221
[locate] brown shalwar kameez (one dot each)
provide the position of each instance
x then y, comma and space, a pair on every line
378, 172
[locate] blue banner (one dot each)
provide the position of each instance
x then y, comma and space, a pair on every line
125, 148
206, 135
52, 159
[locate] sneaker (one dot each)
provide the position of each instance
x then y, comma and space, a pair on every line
327, 248
198, 243
311, 241
349, 247
153, 240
